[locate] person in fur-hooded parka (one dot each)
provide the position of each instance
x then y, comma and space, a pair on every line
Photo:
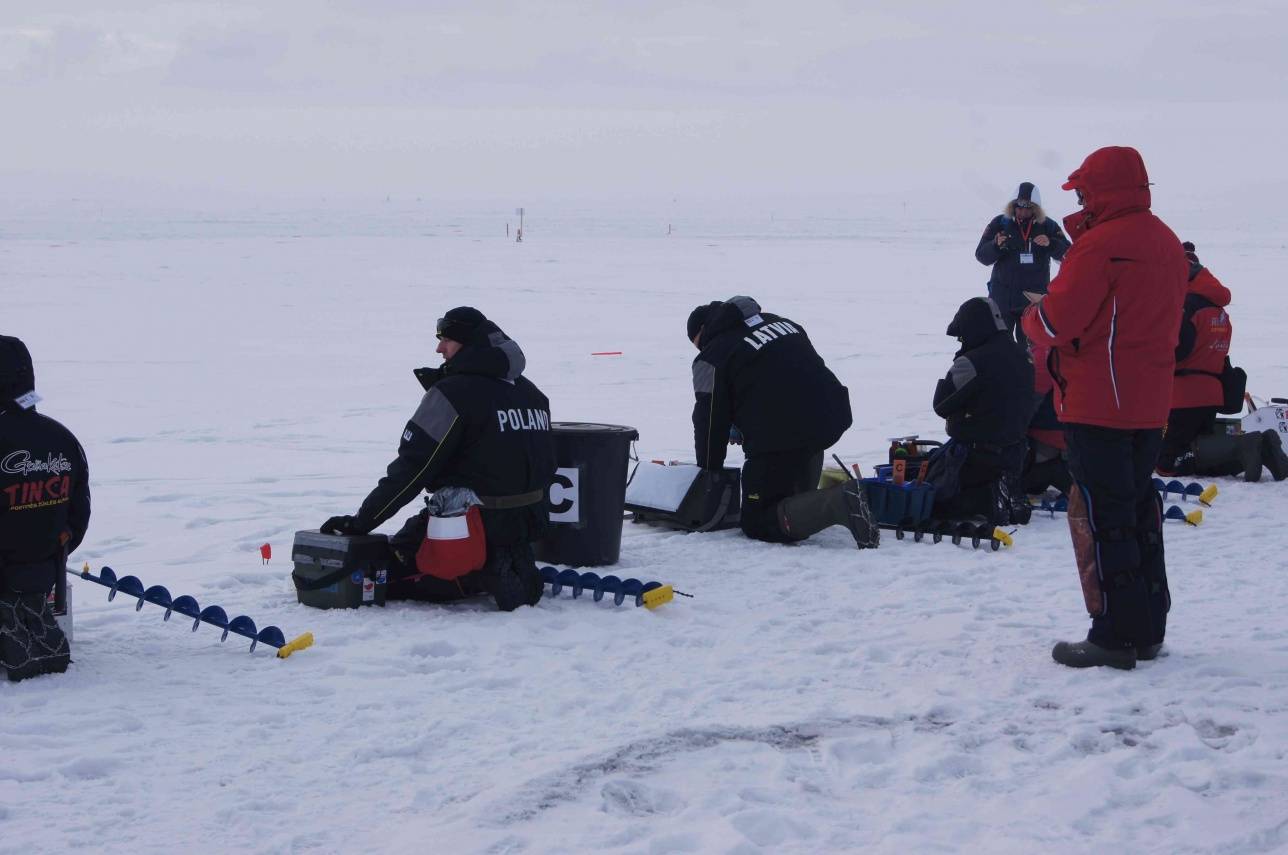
1019, 245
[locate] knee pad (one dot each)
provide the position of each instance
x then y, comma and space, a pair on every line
1107, 558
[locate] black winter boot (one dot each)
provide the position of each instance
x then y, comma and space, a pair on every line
1272, 454
844, 504
1084, 654
511, 577
1149, 652
1229, 454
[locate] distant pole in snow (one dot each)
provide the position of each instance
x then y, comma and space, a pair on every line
519, 236
507, 229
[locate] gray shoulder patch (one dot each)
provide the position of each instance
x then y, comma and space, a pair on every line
514, 353
746, 305
962, 372
435, 415
704, 377
998, 321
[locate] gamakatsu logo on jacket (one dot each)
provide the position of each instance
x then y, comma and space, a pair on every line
20, 463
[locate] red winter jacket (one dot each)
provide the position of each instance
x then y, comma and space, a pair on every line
1204, 343
1112, 313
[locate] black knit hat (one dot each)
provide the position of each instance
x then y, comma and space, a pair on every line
698, 317
463, 324
17, 377
1189, 252
1028, 192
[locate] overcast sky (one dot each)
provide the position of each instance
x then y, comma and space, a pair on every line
543, 99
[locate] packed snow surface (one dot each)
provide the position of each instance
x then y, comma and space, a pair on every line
237, 378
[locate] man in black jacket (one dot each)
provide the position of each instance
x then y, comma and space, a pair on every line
758, 374
1019, 245
988, 400
44, 512
483, 426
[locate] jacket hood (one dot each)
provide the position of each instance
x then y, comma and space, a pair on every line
1113, 181
1209, 287
500, 357
730, 314
978, 320
17, 376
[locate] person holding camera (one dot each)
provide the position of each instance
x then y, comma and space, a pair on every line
1019, 245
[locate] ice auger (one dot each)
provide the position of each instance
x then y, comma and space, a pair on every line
1205, 495
647, 594
1060, 504
188, 607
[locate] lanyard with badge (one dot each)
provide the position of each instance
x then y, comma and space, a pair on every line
1026, 257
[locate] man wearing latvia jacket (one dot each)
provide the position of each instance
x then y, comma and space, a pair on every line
1111, 319
759, 381
481, 425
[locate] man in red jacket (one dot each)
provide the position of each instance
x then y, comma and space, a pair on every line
1111, 318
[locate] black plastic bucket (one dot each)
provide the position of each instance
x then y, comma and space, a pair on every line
588, 496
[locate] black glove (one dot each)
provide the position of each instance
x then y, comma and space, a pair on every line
428, 376
344, 525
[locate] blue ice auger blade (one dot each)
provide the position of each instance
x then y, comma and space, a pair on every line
1176, 487
566, 578
632, 588
1161, 486
1175, 513
550, 576
216, 616
106, 576
1194, 488
244, 626
272, 636
584, 581
187, 606
607, 585
131, 585
158, 595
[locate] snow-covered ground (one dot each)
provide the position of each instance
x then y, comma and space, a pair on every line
235, 378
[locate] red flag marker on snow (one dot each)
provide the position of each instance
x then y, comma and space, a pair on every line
266, 552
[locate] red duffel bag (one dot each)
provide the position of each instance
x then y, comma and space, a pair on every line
453, 546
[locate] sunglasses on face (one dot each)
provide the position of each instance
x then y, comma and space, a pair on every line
1020, 203
438, 328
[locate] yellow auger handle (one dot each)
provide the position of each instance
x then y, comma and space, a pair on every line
1003, 538
659, 596
299, 643
1194, 517
1208, 494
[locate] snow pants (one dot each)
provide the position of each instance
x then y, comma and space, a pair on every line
769, 478
1116, 522
31, 642
1183, 425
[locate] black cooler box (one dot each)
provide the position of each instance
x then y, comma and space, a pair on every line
337, 571
684, 497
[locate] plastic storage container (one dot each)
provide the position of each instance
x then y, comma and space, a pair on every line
588, 496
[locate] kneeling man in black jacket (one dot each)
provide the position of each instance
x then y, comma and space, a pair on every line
483, 426
988, 400
758, 374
